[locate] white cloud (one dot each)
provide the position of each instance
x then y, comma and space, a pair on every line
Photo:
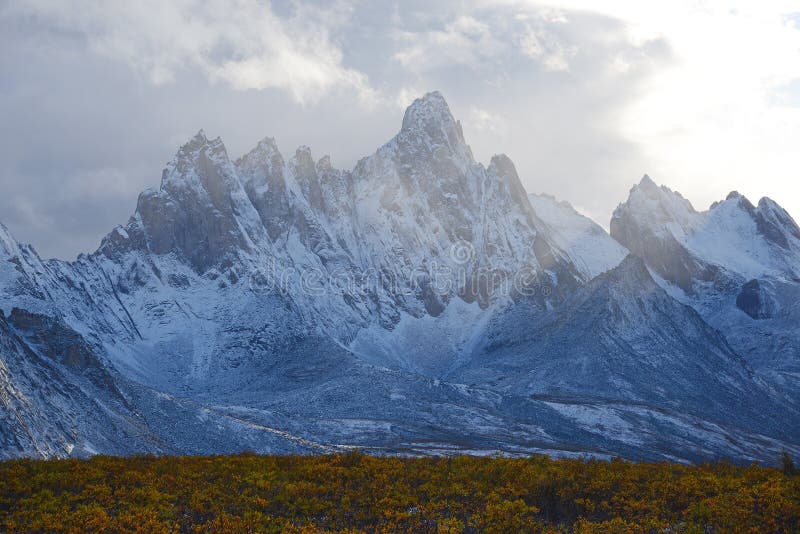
484, 120
481, 39
407, 94
710, 121
541, 46
243, 43
464, 41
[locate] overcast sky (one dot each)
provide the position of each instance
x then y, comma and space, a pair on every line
584, 96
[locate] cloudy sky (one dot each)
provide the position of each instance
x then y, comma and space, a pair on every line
584, 96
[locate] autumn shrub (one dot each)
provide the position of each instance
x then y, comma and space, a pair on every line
359, 493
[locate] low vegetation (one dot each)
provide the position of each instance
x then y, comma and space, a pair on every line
358, 493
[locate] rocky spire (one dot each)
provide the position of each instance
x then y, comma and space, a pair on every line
428, 126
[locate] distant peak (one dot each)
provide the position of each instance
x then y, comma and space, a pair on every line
740, 200
429, 109
199, 141
434, 98
324, 164
303, 156
768, 203
661, 193
428, 125
647, 182
303, 162
8, 245
502, 165
265, 150
774, 220
196, 157
267, 143
264, 157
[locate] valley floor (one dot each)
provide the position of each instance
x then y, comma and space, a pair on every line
359, 493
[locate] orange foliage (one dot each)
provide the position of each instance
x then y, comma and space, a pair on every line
358, 493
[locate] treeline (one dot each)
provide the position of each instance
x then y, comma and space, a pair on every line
359, 493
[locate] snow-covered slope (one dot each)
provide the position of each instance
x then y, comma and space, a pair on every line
622, 349
280, 304
737, 264
588, 246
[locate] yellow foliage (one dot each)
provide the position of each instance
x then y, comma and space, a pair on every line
354, 493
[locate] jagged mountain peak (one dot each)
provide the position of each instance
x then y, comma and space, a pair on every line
303, 156
647, 182
647, 187
770, 220
429, 127
262, 162
739, 200
502, 165
265, 151
195, 162
771, 210
429, 109
197, 143
201, 211
200, 136
659, 207
267, 146
8, 245
654, 223
324, 164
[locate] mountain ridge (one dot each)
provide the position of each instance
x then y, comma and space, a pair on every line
282, 305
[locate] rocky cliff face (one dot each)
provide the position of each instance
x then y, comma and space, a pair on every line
419, 302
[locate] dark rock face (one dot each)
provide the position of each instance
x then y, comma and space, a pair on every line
641, 225
262, 170
775, 224
667, 257
201, 210
754, 300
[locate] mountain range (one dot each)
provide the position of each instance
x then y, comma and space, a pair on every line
420, 303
